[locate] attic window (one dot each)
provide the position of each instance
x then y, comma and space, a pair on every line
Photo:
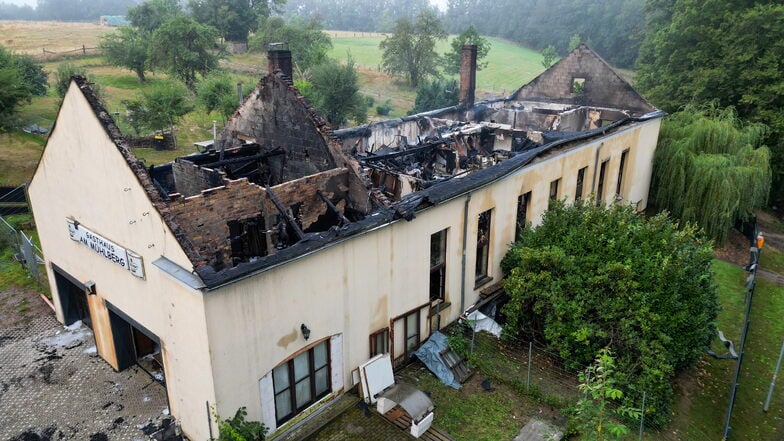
578, 85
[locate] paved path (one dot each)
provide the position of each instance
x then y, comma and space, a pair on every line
54, 386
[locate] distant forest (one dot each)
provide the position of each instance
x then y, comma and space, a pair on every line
66, 10
614, 28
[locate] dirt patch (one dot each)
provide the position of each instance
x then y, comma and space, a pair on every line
18, 307
735, 250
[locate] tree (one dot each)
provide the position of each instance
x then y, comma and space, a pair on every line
309, 45
410, 50
574, 42
127, 47
435, 94
216, 93
549, 56
711, 169
469, 36
152, 14
13, 92
334, 91
159, 107
233, 19
594, 411
731, 53
184, 48
592, 277
62, 78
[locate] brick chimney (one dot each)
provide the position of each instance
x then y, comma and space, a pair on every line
467, 75
279, 59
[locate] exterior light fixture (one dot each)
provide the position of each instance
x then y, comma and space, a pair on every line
305, 331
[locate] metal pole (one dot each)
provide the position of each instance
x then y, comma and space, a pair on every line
530, 351
773, 382
473, 335
642, 414
209, 419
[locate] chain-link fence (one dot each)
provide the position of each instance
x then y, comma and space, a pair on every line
532, 370
13, 238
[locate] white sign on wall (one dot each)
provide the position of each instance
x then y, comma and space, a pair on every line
106, 248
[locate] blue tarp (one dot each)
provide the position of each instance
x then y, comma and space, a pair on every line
430, 354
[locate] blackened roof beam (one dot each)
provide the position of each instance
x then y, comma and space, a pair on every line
283, 212
343, 219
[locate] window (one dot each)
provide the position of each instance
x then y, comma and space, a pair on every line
437, 265
523, 204
578, 190
578, 85
553, 193
483, 244
301, 381
379, 342
621, 169
600, 186
412, 332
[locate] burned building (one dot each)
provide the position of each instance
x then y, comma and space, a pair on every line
263, 271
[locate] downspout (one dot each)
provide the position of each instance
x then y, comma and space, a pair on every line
465, 243
595, 167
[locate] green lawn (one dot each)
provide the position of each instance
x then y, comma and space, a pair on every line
509, 65
772, 259
701, 410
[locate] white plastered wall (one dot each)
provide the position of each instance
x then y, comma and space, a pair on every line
83, 176
355, 287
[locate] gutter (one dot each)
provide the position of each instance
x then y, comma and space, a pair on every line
465, 245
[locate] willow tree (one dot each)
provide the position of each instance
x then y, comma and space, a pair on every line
711, 169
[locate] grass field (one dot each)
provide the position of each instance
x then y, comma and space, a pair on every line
509, 65
31, 37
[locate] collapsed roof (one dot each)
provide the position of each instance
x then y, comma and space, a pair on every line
278, 183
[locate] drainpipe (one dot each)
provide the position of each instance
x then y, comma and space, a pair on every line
465, 244
595, 167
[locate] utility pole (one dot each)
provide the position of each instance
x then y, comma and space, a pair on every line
773, 382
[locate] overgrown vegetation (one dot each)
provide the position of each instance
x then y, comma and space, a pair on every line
593, 277
237, 428
20, 79
711, 169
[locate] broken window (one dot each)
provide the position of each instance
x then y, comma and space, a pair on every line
553, 193
248, 238
621, 169
301, 381
437, 265
483, 244
600, 185
523, 205
412, 333
578, 190
379, 342
578, 85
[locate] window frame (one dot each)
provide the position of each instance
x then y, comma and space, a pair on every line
482, 264
523, 208
384, 334
600, 184
409, 350
621, 170
579, 186
553, 195
311, 377
438, 268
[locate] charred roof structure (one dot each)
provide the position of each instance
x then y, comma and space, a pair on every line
279, 183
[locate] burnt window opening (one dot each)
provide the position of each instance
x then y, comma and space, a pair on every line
283, 234
248, 239
523, 206
301, 381
578, 190
621, 169
578, 85
553, 193
438, 265
483, 245
379, 342
600, 185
